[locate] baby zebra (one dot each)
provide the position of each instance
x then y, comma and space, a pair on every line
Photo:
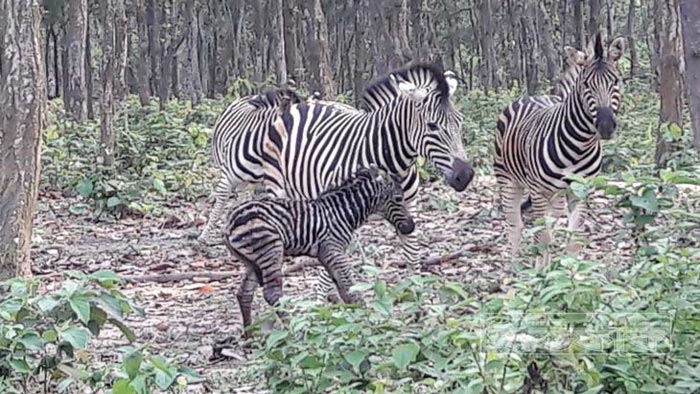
260, 233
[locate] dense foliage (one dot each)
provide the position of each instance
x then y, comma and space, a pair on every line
576, 327
44, 339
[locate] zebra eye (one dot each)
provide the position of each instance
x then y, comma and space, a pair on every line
432, 126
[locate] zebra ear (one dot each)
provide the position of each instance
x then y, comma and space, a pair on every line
616, 49
452, 82
574, 57
409, 89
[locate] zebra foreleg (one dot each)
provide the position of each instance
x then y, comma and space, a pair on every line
342, 272
541, 208
211, 235
575, 221
511, 198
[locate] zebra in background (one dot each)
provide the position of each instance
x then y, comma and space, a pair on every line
542, 140
575, 60
313, 145
261, 232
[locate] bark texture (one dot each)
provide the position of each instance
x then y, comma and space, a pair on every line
23, 99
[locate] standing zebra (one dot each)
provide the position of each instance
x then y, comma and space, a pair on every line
313, 146
237, 147
542, 140
260, 233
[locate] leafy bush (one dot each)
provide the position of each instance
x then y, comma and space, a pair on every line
44, 338
575, 327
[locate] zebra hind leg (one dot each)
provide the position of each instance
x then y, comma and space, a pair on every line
222, 191
324, 289
246, 295
270, 263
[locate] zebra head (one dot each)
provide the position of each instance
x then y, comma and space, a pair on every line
599, 85
391, 202
437, 134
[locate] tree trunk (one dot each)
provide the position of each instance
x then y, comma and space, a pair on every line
23, 100
690, 22
107, 76
291, 52
121, 49
629, 32
670, 79
486, 38
74, 45
530, 46
546, 34
88, 73
142, 65
278, 27
317, 46
56, 74
594, 18
578, 23
153, 21
610, 14
194, 83
359, 67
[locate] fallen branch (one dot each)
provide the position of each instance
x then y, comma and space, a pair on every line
180, 276
437, 260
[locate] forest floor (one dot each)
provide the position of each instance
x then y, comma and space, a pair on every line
184, 319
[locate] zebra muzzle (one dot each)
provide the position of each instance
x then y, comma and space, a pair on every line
460, 175
605, 122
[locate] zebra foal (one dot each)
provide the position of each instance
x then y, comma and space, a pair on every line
541, 140
260, 233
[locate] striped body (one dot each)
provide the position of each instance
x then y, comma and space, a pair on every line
261, 232
542, 140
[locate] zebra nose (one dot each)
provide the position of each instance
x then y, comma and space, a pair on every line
462, 175
605, 122
407, 227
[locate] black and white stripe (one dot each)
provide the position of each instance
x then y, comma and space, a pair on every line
542, 140
261, 233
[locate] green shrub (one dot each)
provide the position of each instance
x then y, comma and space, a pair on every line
44, 339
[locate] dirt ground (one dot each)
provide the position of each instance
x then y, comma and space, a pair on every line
184, 319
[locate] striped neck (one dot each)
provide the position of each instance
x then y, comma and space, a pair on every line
392, 136
352, 204
578, 126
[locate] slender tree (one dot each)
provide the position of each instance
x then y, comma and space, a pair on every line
74, 42
690, 21
23, 99
670, 79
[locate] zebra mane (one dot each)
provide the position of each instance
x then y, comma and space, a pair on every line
274, 97
415, 73
361, 176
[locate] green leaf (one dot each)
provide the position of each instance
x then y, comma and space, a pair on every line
76, 336
105, 278
132, 364
675, 130
404, 355
310, 362
20, 366
85, 187
159, 186
113, 201
274, 338
47, 304
646, 201
128, 333
164, 379
81, 307
355, 358
121, 386
594, 390
50, 336
65, 383
31, 340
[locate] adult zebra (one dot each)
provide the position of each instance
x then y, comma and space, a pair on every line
237, 146
313, 146
542, 140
